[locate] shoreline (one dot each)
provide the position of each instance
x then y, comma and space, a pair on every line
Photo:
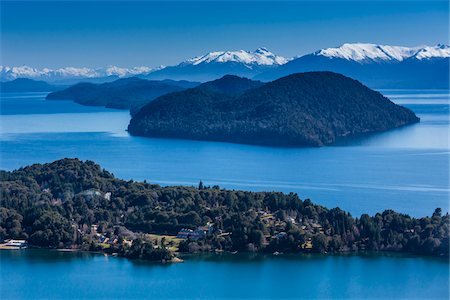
182, 257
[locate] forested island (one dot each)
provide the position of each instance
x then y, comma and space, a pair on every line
304, 109
75, 204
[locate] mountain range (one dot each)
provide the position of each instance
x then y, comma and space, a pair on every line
217, 64
378, 66
70, 75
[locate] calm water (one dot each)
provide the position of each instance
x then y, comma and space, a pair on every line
404, 169
37, 274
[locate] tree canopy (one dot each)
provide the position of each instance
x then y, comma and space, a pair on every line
56, 205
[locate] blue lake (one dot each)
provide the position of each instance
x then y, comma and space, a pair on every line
43, 274
404, 169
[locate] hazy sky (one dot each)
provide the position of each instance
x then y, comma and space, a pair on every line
94, 34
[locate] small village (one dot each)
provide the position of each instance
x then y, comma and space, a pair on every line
277, 231
104, 239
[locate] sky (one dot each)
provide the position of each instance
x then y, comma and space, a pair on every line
148, 33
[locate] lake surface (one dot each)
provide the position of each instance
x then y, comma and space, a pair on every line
404, 169
44, 274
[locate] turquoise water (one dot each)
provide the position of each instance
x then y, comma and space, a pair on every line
44, 274
404, 169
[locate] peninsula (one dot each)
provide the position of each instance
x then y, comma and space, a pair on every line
78, 205
125, 93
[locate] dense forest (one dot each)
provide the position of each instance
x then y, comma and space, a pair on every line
127, 93
74, 204
305, 109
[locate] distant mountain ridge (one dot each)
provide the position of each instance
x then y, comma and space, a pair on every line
368, 53
378, 66
260, 56
126, 93
305, 109
68, 73
27, 85
214, 65
248, 62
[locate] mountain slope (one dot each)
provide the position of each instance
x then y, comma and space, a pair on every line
308, 109
27, 85
127, 93
378, 66
217, 64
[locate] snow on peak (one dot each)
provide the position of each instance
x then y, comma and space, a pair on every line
365, 52
361, 52
10, 73
427, 52
260, 56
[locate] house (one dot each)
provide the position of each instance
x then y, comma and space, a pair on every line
16, 243
196, 234
184, 233
208, 228
317, 228
103, 239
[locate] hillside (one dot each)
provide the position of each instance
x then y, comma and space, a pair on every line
230, 85
126, 93
74, 204
27, 85
306, 109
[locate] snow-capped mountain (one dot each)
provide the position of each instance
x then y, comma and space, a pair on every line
438, 51
201, 68
369, 53
216, 64
68, 73
260, 56
378, 66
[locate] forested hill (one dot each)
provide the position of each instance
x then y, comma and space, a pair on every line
304, 109
71, 203
27, 85
230, 85
126, 93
